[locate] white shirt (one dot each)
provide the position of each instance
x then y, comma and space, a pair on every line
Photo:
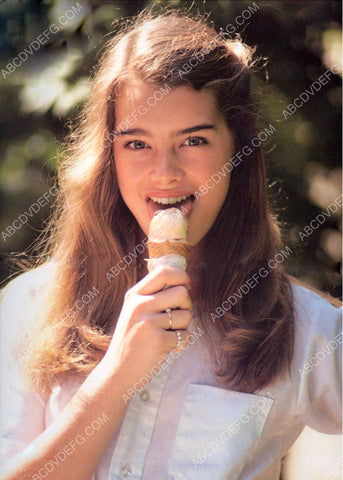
183, 425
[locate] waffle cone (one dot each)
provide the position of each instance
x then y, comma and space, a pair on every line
159, 249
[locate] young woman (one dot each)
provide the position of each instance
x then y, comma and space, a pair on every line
106, 382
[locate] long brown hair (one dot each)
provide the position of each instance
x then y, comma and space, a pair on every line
92, 230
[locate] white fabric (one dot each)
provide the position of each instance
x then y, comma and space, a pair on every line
184, 425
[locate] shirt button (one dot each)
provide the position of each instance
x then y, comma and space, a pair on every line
144, 395
125, 471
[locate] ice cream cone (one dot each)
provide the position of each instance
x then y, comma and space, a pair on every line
167, 244
159, 249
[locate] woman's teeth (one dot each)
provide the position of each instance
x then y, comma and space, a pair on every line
169, 200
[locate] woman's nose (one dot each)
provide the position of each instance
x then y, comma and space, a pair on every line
166, 169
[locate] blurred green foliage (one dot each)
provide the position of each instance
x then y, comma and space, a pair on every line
301, 40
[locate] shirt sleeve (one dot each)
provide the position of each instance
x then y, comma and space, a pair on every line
318, 361
22, 412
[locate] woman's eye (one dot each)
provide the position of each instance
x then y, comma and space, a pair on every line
195, 141
136, 144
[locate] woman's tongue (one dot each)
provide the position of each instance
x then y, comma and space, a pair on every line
185, 206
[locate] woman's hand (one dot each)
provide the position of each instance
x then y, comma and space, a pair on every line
141, 338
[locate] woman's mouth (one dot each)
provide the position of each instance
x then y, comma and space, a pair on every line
182, 202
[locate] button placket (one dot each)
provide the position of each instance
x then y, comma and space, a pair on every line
137, 428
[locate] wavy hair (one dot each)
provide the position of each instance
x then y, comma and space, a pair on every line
251, 342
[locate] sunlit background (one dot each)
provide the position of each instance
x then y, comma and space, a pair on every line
297, 43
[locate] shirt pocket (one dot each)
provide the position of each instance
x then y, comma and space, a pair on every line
217, 434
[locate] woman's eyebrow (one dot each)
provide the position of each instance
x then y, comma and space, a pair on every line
204, 126
141, 131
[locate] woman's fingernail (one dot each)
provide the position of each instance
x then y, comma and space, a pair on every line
191, 283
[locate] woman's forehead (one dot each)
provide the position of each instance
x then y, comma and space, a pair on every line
163, 101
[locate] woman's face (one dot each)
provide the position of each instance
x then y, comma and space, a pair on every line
169, 146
